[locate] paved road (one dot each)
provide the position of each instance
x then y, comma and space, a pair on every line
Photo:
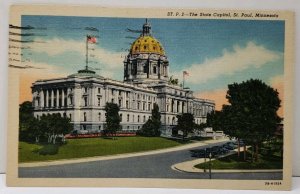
150, 166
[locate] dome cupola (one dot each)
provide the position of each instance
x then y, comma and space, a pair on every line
146, 61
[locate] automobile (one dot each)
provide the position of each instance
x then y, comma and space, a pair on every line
215, 150
242, 143
228, 147
223, 150
231, 144
200, 153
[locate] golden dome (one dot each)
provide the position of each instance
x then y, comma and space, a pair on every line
146, 44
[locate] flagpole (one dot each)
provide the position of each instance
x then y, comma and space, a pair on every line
86, 59
182, 80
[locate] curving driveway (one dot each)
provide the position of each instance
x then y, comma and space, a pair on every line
148, 166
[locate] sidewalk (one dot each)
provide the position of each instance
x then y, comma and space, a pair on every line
119, 156
188, 166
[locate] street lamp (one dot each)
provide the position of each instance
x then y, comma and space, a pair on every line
210, 165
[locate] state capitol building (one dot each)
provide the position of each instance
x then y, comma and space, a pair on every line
82, 96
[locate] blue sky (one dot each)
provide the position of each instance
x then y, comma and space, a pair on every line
215, 52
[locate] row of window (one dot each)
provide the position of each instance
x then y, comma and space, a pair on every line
139, 118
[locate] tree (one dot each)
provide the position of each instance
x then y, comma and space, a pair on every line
34, 130
152, 127
185, 123
53, 126
25, 119
252, 112
112, 118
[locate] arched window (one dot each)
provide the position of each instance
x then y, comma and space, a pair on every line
138, 118
121, 117
99, 116
144, 118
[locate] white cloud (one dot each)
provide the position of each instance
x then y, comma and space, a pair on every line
241, 58
43, 70
110, 61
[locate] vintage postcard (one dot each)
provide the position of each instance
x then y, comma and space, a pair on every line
127, 97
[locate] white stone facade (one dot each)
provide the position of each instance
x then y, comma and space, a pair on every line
82, 96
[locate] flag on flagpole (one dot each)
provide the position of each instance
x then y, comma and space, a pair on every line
91, 39
185, 73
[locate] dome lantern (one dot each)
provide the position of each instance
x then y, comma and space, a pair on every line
146, 29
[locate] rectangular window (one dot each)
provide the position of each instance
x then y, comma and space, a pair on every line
84, 116
99, 101
99, 90
85, 101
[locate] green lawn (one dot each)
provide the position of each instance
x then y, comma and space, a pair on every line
233, 162
80, 148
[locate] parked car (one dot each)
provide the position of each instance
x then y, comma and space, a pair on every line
223, 150
228, 147
199, 153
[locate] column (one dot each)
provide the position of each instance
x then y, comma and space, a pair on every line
42, 99
68, 99
166, 72
52, 98
47, 98
57, 97
93, 88
180, 108
63, 97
